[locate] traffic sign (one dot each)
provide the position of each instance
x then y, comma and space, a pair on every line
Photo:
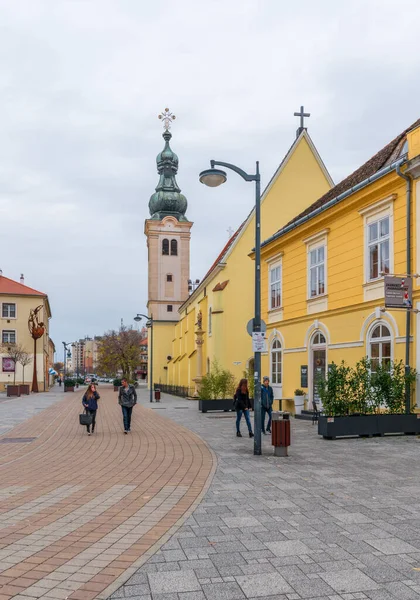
250, 326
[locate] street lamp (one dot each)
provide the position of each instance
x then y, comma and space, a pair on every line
66, 353
213, 178
77, 346
149, 323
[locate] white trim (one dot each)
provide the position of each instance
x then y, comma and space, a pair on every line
275, 265
276, 334
370, 340
401, 339
275, 258
346, 345
378, 316
316, 236
314, 327
280, 351
318, 241
9, 330
295, 350
377, 207
9, 318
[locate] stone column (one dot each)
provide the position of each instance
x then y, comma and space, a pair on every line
199, 376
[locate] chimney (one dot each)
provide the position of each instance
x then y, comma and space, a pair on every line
22, 279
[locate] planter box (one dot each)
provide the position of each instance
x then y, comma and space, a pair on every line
24, 389
69, 389
116, 388
225, 405
13, 390
367, 425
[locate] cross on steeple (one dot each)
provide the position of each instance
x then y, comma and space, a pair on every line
167, 117
302, 114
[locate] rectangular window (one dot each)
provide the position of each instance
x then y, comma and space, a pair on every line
9, 311
169, 278
378, 245
276, 368
8, 336
317, 272
275, 287
169, 307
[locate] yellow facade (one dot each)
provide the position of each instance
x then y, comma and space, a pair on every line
225, 296
18, 327
331, 289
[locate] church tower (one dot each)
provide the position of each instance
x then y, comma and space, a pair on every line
168, 238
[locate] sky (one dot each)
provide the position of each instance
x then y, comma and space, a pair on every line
82, 83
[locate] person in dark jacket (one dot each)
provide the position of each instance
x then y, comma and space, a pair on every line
267, 398
127, 398
90, 402
242, 406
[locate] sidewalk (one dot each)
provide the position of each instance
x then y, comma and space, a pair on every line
78, 512
337, 520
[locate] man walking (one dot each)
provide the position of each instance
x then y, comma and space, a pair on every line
267, 397
127, 398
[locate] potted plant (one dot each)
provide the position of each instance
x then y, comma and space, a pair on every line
117, 384
299, 399
69, 385
216, 390
365, 402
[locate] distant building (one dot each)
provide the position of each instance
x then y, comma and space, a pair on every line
142, 370
16, 302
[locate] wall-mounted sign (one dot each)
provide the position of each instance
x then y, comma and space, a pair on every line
8, 365
303, 376
258, 342
398, 292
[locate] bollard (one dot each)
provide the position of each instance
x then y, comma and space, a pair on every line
280, 432
157, 395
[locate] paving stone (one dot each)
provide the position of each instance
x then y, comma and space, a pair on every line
177, 581
267, 584
288, 548
351, 580
136, 590
392, 546
223, 591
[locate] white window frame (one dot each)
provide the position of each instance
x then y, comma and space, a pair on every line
315, 248
9, 331
277, 352
373, 214
319, 240
380, 340
8, 303
275, 265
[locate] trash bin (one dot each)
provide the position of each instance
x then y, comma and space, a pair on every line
280, 432
157, 395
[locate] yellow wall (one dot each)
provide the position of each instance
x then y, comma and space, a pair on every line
351, 306
299, 182
23, 306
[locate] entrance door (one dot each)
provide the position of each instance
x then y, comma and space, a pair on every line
318, 365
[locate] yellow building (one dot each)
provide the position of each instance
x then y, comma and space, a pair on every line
322, 273
17, 300
225, 295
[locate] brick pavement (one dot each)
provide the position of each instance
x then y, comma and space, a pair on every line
80, 513
337, 520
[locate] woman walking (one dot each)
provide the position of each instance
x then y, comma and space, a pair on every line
242, 406
90, 402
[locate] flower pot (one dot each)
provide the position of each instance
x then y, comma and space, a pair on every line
299, 404
115, 388
24, 389
368, 425
13, 390
69, 389
226, 405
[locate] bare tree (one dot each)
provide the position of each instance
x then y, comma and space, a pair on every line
119, 351
25, 360
58, 366
14, 352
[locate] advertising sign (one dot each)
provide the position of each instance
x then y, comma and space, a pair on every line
303, 376
258, 341
398, 292
8, 365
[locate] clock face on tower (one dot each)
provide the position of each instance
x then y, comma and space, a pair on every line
8, 365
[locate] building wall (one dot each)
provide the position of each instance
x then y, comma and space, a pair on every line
20, 324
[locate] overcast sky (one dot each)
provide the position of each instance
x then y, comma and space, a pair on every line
82, 83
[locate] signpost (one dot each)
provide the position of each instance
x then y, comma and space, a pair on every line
398, 292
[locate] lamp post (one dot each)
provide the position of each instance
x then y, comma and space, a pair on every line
214, 177
77, 346
149, 323
65, 344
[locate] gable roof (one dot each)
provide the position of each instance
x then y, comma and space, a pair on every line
14, 288
231, 242
381, 159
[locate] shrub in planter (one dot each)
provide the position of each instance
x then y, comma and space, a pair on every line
69, 385
217, 385
116, 383
299, 401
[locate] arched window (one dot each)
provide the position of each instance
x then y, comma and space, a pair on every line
210, 319
380, 346
174, 248
318, 339
276, 356
165, 247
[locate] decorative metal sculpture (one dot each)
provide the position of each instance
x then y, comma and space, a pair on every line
37, 330
167, 117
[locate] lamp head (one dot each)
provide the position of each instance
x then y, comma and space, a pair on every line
137, 319
213, 177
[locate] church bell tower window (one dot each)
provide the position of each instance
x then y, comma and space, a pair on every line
174, 248
165, 247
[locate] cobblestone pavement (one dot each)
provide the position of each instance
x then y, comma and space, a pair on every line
337, 520
77, 512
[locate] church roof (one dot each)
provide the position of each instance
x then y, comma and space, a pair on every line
381, 159
13, 288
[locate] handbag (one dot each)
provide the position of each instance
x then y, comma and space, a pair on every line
85, 418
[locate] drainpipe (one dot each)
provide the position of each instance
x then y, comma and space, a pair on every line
408, 314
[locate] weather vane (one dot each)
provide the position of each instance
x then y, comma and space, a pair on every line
167, 118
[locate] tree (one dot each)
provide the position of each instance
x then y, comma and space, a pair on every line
58, 366
14, 352
25, 360
119, 351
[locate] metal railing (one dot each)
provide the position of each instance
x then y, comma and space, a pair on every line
175, 390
